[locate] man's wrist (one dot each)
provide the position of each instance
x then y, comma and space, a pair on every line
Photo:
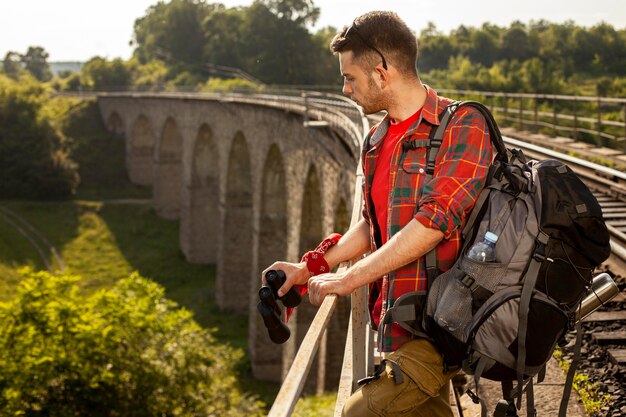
315, 263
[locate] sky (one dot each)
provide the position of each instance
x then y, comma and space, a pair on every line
77, 30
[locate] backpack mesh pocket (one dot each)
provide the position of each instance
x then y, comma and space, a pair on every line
454, 304
488, 275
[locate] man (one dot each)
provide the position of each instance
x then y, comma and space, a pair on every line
404, 217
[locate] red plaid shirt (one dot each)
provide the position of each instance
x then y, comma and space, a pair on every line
443, 203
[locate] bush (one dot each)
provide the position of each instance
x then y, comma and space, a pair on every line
34, 154
232, 85
126, 351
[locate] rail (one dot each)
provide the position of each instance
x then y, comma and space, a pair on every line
332, 110
358, 355
599, 120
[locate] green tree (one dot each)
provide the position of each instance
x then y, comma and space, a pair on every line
34, 155
327, 65
515, 43
279, 49
484, 45
151, 75
172, 32
36, 62
301, 12
12, 64
435, 49
224, 31
540, 76
125, 351
101, 75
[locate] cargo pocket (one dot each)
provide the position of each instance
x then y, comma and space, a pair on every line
423, 370
392, 394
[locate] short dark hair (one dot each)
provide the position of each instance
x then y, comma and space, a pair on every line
381, 33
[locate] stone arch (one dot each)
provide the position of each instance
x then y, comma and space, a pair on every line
266, 357
342, 217
140, 153
200, 221
235, 263
335, 343
168, 171
115, 124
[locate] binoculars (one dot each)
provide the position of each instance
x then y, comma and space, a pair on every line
269, 309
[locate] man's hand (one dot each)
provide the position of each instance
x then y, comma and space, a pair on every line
322, 285
295, 274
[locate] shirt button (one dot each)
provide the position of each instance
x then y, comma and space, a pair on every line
421, 170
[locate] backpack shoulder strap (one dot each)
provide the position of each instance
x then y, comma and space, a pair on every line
434, 143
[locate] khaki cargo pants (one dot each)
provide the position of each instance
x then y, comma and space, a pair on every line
422, 390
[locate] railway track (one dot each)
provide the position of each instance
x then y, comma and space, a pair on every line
42, 246
608, 186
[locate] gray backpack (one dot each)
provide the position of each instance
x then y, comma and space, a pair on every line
510, 314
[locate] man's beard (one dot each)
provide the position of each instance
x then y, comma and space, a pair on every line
375, 100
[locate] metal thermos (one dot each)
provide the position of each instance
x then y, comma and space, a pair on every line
603, 289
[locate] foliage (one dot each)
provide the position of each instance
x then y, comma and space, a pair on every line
301, 12
536, 57
123, 351
12, 64
316, 406
99, 74
172, 32
589, 394
218, 85
270, 40
34, 154
267, 39
149, 76
35, 61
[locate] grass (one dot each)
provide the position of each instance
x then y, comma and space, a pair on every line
103, 241
316, 405
589, 392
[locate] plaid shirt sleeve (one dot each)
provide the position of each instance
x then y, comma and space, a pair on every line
461, 168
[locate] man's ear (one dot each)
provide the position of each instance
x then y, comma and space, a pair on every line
382, 74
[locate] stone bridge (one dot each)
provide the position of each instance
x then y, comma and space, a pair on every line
252, 179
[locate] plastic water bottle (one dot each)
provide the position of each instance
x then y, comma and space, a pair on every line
485, 250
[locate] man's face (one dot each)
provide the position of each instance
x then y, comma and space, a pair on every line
360, 84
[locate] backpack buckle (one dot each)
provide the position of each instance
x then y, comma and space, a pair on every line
475, 398
468, 281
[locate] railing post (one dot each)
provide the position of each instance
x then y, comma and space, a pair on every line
521, 113
536, 114
575, 119
554, 131
506, 109
599, 135
305, 96
624, 126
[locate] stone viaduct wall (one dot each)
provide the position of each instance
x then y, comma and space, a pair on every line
250, 185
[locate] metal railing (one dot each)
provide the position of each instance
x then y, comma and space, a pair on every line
598, 120
358, 353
